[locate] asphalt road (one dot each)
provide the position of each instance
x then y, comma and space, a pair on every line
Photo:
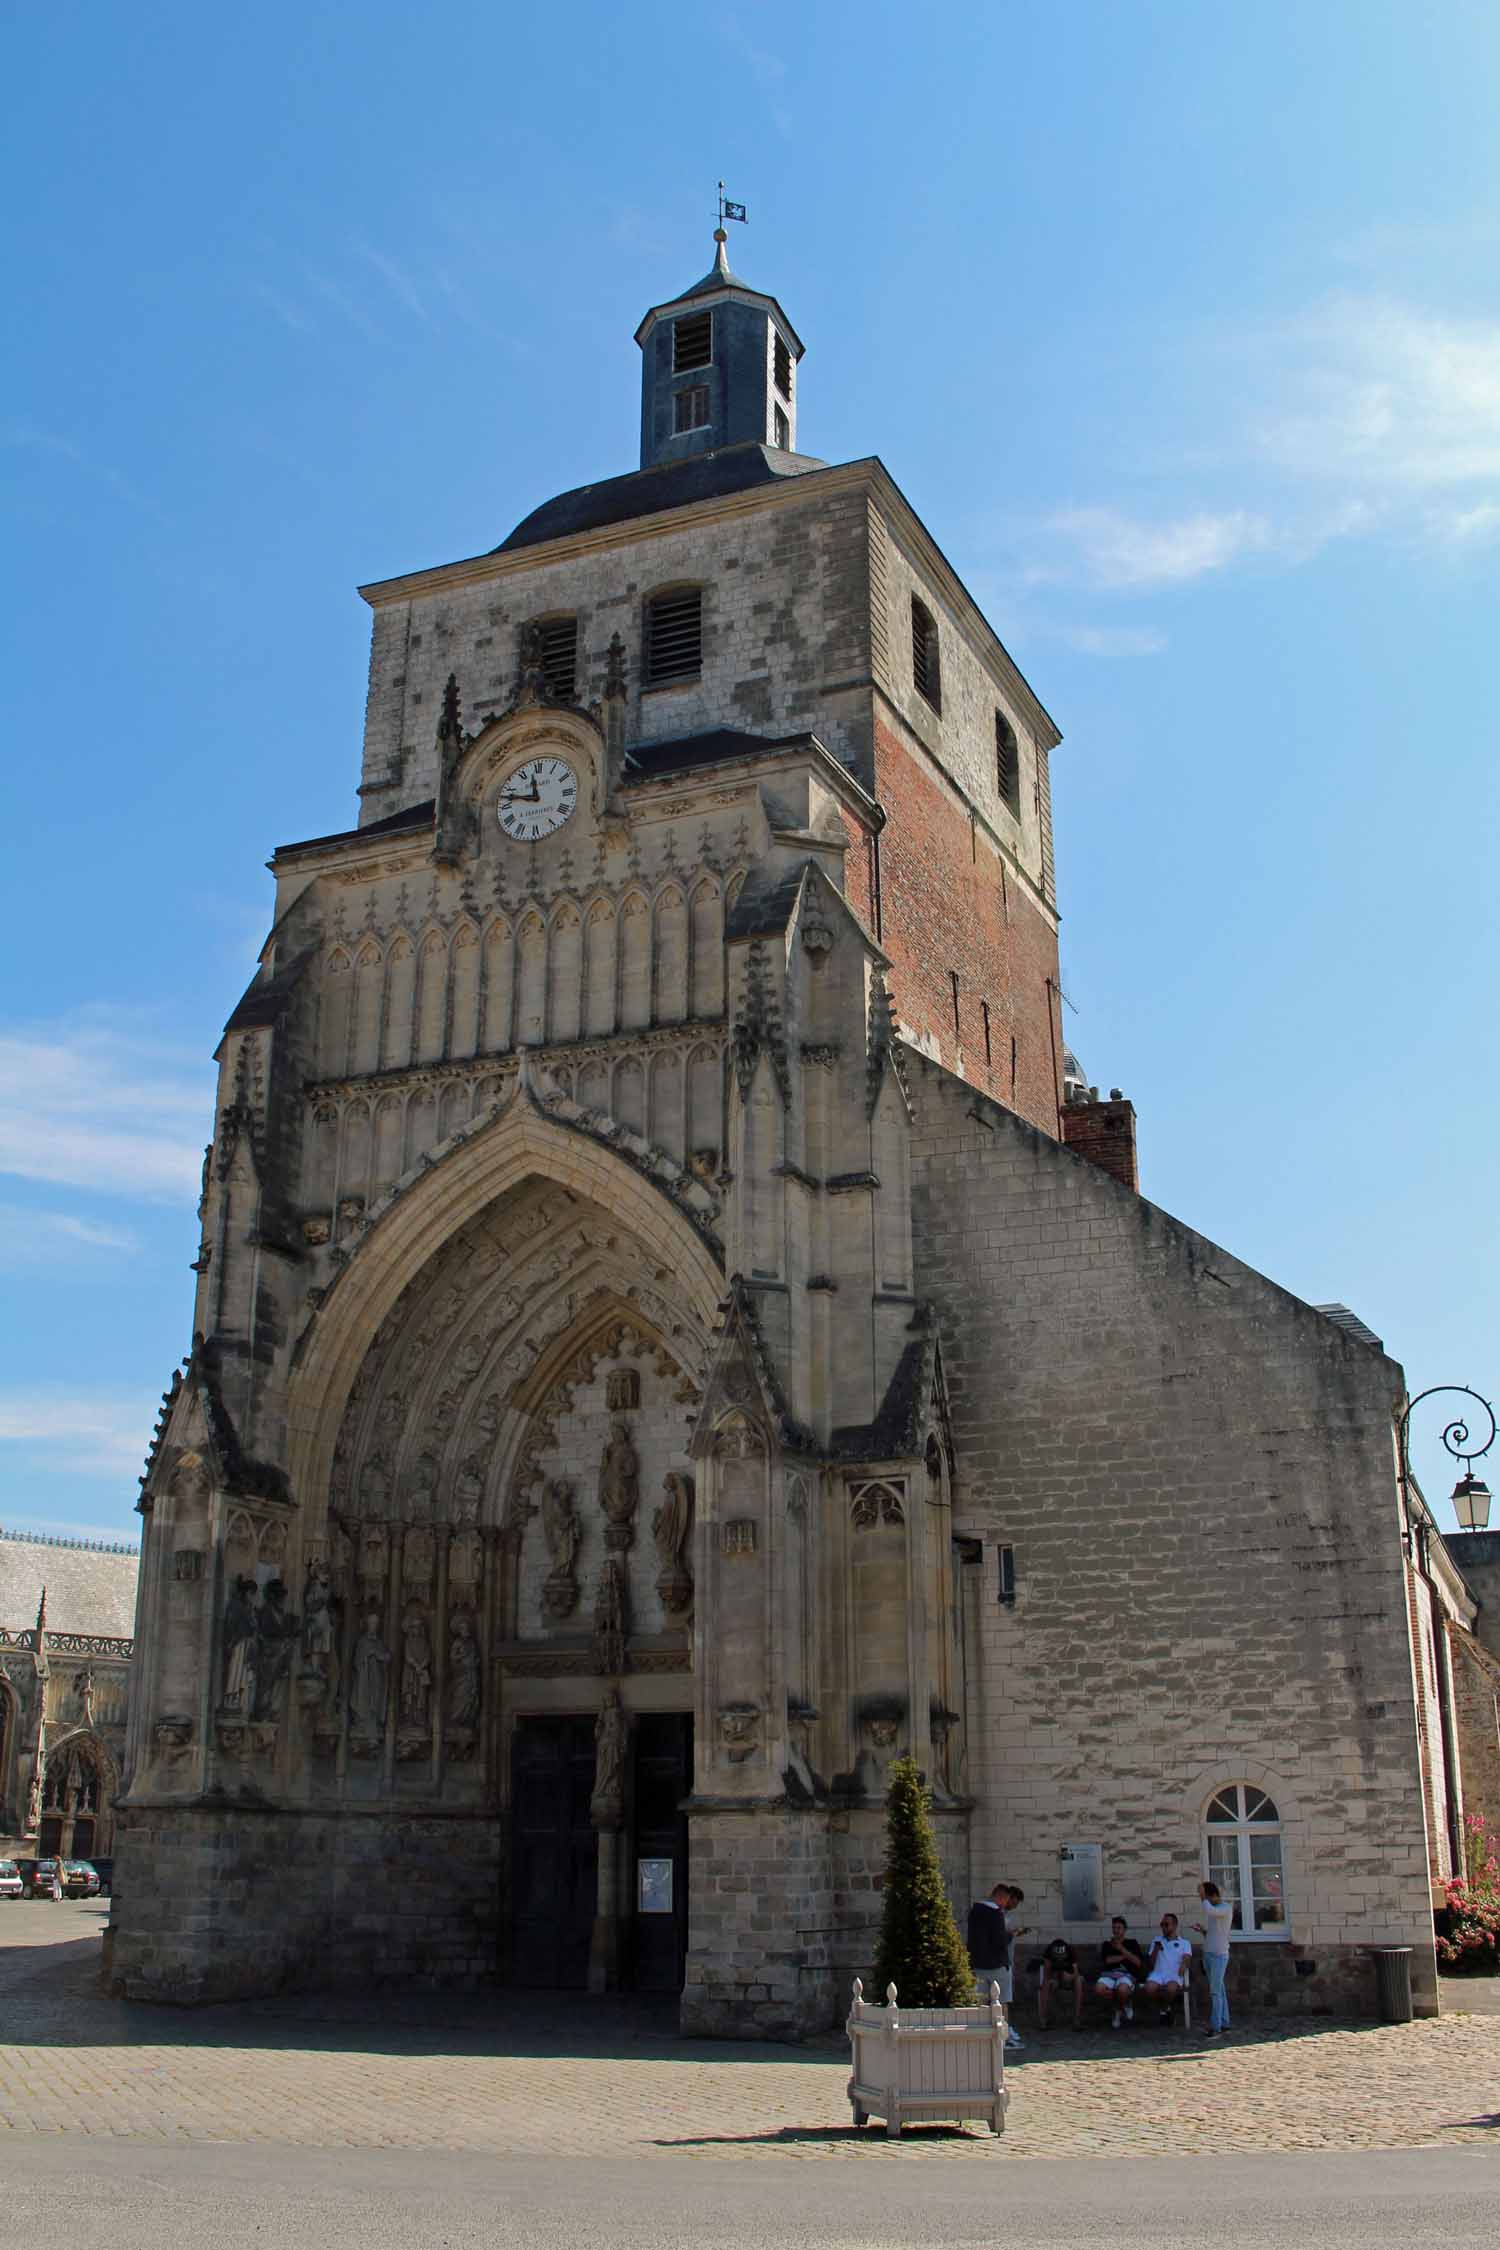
139, 2196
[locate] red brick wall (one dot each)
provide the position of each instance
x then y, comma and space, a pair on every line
949, 905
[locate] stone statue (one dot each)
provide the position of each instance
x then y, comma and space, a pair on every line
469, 1489
416, 1670
86, 1695
461, 1694
369, 1685
609, 1651
564, 1535
560, 1525
607, 1804
276, 1628
619, 1487
671, 1527
239, 1645
319, 1655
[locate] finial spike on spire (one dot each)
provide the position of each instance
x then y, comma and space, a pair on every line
450, 725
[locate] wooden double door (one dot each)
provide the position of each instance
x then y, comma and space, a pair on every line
554, 1869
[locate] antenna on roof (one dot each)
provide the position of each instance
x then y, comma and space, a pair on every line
728, 210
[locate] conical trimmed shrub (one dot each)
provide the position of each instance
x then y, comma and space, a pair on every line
921, 1952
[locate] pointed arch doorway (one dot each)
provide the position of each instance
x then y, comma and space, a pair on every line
598, 1887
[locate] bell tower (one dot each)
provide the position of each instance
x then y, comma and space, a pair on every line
718, 367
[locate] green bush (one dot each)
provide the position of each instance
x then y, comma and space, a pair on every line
921, 1952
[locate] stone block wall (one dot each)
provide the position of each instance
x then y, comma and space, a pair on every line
785, 1913
1476, 1719
1194, 1475
785, 624
236, 1902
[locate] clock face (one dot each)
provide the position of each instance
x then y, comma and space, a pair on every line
538, 798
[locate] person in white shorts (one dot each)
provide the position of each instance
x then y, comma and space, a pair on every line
1167, 1967
1121, 1969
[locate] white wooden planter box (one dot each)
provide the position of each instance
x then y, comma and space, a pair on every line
927, 2062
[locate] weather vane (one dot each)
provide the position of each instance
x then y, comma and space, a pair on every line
728, 210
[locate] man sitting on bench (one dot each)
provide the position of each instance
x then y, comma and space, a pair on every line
1121, 1969
1060, 1967
1167, 1967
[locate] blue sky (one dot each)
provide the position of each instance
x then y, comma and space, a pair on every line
1179, 326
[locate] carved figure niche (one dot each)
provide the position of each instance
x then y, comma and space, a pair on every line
878, 1626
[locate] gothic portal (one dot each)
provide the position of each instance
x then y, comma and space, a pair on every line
669, 1339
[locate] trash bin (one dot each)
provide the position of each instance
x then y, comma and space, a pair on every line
1393, 1982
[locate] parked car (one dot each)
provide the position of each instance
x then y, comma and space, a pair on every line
105, 1870
42, 1877
10, 1880
80, 1879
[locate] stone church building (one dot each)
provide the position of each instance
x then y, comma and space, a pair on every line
67, 1625
674, 1331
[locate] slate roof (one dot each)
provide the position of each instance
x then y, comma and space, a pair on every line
677, 754
90, 1589
647, 492
714, 283
1351, 1324
412, 816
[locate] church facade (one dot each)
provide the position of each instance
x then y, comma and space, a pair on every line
673, 1332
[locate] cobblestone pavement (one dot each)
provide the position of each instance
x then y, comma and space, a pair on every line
509, 2075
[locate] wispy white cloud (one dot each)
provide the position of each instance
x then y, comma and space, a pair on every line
1113, 640
53, 1431
104, 1104
396, 278
31, 1238
1383, 395
289, 314
768, 70
1469, 525
1118, 553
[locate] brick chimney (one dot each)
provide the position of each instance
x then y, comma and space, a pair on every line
1104, 1133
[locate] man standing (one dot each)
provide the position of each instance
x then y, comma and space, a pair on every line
1167, 1967
990, 1937
1215, 1955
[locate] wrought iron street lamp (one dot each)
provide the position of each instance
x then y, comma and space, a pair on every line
1471, 1495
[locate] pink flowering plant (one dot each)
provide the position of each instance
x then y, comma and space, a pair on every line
1472, 1940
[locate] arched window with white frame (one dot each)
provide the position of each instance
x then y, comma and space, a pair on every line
1242, 1854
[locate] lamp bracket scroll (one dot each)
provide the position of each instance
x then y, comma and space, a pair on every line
1471, 1495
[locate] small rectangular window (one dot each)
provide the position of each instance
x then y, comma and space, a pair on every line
783, 430
1005, 1558
674, 637
783, 364
692, 342
958, 1029
690, 409
559, 638
984, 1010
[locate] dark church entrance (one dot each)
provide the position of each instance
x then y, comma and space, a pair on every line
555, 1854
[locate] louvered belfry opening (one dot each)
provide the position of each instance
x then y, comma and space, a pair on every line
692, 342
674, 636
559, 638
1007, 762
782, 360
925, 673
